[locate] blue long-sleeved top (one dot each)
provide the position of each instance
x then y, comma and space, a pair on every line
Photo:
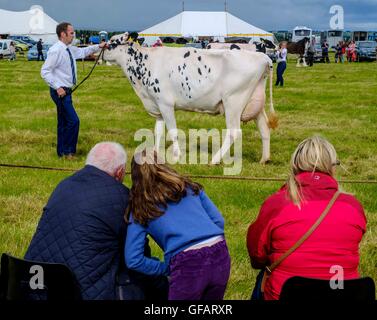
192, 220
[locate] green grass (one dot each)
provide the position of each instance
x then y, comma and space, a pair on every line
337, 101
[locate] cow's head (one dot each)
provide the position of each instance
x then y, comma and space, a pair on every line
117, 46
269, 44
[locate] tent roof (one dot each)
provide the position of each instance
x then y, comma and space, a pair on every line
204, 23
21, 23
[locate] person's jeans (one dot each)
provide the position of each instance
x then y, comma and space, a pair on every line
200, 274
68, 124
282, 65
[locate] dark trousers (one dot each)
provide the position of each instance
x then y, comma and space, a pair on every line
200, 274
325, 56
310, 58
40, 54
282, 65
68, 124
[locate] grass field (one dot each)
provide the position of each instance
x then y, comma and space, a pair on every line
337, 101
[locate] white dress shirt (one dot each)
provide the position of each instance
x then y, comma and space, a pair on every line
56, 70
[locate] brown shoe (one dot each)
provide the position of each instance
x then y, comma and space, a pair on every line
70, 157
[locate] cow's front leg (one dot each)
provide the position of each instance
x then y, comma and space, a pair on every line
171, 125
264, 130
158, 132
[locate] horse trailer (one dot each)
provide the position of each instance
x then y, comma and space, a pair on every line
333, 37
364, 36
300, 32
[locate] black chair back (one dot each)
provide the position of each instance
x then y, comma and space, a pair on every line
31, 280
299, 288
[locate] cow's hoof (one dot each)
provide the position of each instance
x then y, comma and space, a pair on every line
267, 161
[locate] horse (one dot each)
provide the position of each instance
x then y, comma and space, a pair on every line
300, 48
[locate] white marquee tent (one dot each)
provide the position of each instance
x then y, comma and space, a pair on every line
205, 23
34, 23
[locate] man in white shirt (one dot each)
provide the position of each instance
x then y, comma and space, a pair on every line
60, 73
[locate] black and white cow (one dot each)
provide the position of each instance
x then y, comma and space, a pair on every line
211, 81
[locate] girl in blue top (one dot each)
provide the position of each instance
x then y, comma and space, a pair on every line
185, 223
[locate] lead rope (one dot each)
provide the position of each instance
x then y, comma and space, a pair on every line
95, 64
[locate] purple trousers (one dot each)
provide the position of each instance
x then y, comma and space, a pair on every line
200, 274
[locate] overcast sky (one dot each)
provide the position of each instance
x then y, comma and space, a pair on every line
125, 15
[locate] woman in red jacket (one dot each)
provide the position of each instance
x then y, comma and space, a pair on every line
288, 214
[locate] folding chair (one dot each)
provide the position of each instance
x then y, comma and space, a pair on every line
299, 288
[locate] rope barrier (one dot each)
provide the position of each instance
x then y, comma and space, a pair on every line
196, 176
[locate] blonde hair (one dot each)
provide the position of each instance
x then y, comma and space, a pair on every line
312, 154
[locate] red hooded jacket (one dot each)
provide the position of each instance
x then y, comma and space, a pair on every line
280, 224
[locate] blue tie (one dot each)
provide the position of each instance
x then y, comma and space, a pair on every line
72, 67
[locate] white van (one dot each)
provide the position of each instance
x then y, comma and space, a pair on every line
4, 48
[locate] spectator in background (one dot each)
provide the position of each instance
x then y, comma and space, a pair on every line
282, 63
12, 50
158, 43
288, 214
311, 51
325, 51
344, 46
352, 51
40, 50
337, 49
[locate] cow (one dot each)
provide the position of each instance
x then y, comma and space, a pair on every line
256, 46
210, 81
232, 46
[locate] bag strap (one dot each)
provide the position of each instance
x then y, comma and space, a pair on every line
270, 268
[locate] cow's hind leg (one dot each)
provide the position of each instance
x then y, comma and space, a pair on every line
264, 130
233, 107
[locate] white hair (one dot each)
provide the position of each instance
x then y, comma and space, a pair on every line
107, 156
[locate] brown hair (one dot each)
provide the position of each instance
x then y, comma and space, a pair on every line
62, 27
154, 184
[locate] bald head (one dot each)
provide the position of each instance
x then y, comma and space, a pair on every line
109, 157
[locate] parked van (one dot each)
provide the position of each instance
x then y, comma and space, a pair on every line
5, 48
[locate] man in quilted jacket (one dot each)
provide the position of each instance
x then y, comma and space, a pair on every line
83, 227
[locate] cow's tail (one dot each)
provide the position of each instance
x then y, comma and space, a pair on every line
272, 119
